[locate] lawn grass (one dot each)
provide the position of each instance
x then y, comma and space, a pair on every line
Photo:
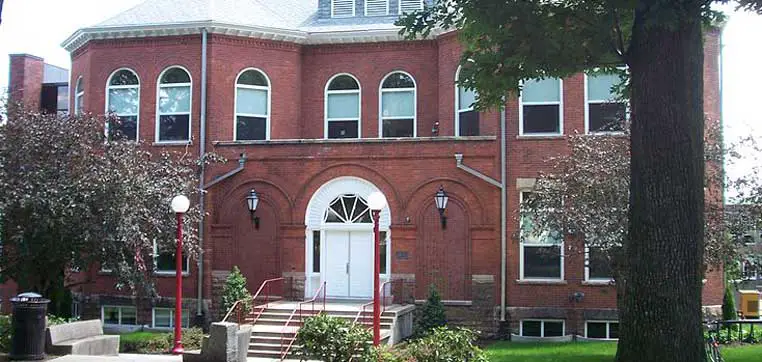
591, 352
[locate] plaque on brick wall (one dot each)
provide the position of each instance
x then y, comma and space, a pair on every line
402, 255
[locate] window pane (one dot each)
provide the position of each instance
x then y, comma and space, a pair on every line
533, 235
614, 330
316, 251
80, 86
466, 98
124, 77
162, 317
175, 75
554, 329
124, 128
398, 128
63, 98
342, 129
469, 123
80, 100
599, 265
599, 86
398, 80
174, 100
596, 330
129, 315
545, 90
382, 251
542, 262
165, 262
123, 101
252, 101
606, 117
397, 104
174, 128
253, 77
186, 318
344, 105
343, 82
541, 119
110, 315
531, 329
251, 128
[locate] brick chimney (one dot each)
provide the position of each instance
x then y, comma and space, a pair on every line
25, 82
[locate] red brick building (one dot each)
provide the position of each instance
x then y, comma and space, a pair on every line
328, 103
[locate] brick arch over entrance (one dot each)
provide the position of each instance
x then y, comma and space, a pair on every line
322, 198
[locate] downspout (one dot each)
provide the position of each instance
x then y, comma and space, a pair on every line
202, 193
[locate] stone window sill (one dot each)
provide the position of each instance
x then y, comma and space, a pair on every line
541, 282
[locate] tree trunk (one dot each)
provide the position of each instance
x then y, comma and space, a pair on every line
660, 308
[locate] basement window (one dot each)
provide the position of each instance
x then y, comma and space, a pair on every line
165, 318
602, 329
119, 315
542, 328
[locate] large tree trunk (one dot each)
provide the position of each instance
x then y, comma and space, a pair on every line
660, 309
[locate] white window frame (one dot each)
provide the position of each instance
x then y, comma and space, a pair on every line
382, 90
523, 244
399, 2
171, 317
590, 280
119, 308
79, 96
542, 326
326, 93
159, 87
173, 272
109, 87
458, 108
333, 7
608, 329
268, 89
560, 104
598, 101
366, 9
755, 276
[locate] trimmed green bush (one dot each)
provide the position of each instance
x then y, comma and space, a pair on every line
145, 342
191, 338
235, 290
430, 315
384, 353
446, 345
728, 303
331, 339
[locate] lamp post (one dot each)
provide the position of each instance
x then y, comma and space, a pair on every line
252, 200
180, 204
376, 202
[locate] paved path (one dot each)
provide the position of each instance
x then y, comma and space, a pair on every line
141, 358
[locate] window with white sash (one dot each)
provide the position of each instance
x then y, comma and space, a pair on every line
79, 96
541, 110
173, 106
123, 102
541, 250
342, 107
398, 105
252, 106
604, 112
466, 117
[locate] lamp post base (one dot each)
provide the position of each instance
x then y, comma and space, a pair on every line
178, 349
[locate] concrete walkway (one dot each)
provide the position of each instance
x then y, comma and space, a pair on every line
141, 358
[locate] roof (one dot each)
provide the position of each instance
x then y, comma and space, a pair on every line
288, 20
54, 74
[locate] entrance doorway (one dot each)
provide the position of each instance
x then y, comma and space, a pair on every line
349, 264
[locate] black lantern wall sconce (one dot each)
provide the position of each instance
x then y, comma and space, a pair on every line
252, 200
441, 201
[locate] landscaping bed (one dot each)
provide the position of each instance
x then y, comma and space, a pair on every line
158, 342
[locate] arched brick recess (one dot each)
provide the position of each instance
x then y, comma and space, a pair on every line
425, 192
231, 201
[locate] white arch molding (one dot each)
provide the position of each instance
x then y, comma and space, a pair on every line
314, 216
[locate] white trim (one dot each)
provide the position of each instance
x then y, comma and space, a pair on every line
109, 87
399, 3
366, 8
381, 92
77, 93
608, 329
235, 102
333, 7
587, 271
119, 309
359, 104
598, 101
156, 271
522, 245
159, 86
171, 317
542, 326
560, 104
458, 110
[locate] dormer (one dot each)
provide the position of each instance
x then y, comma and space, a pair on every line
337, 9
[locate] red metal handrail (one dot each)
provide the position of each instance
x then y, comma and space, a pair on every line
284, 352
239, 303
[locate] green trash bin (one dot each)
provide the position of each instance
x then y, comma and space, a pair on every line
28, 326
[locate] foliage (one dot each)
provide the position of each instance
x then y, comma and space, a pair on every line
332, 339
145, 342
54, 320
430, 315
728, 303
446, 345
69, 200
5, 333
235, 290
385, 353
191, 338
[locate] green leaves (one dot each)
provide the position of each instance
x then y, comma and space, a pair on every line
235, 290
332, 339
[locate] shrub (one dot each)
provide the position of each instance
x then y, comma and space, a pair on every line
430, 315
145, 342
235, 290
446, 345
728, 303
5, 333
384, 353
331, 339
191, 338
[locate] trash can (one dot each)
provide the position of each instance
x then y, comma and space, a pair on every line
28, 326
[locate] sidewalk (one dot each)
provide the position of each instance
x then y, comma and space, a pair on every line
125, 357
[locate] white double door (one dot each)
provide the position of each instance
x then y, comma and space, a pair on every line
349, 263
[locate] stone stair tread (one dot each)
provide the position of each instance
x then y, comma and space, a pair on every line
273, 328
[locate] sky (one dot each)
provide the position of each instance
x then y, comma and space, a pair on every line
39, 26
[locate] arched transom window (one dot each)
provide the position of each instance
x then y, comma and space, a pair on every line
342, 107
252, 106
398, 105
174, 106
79, 96
123, 101
348, 209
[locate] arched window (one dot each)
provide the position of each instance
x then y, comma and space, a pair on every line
398, 106
79, 96
252, 106
123, 101
348, 209
466, 118
541, 110
342, 107
173, 106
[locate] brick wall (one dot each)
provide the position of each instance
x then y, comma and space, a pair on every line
25, 82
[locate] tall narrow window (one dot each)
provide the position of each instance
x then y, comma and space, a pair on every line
123, 101
382, 236
342, 107
79, 96
597, 265
252, 106
376, 7
541, 250
173, 106
604, 112
398, 105
316, 251
342, 8
409, 6
541, 112
466, 118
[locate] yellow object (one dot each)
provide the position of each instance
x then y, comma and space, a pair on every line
750, 305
